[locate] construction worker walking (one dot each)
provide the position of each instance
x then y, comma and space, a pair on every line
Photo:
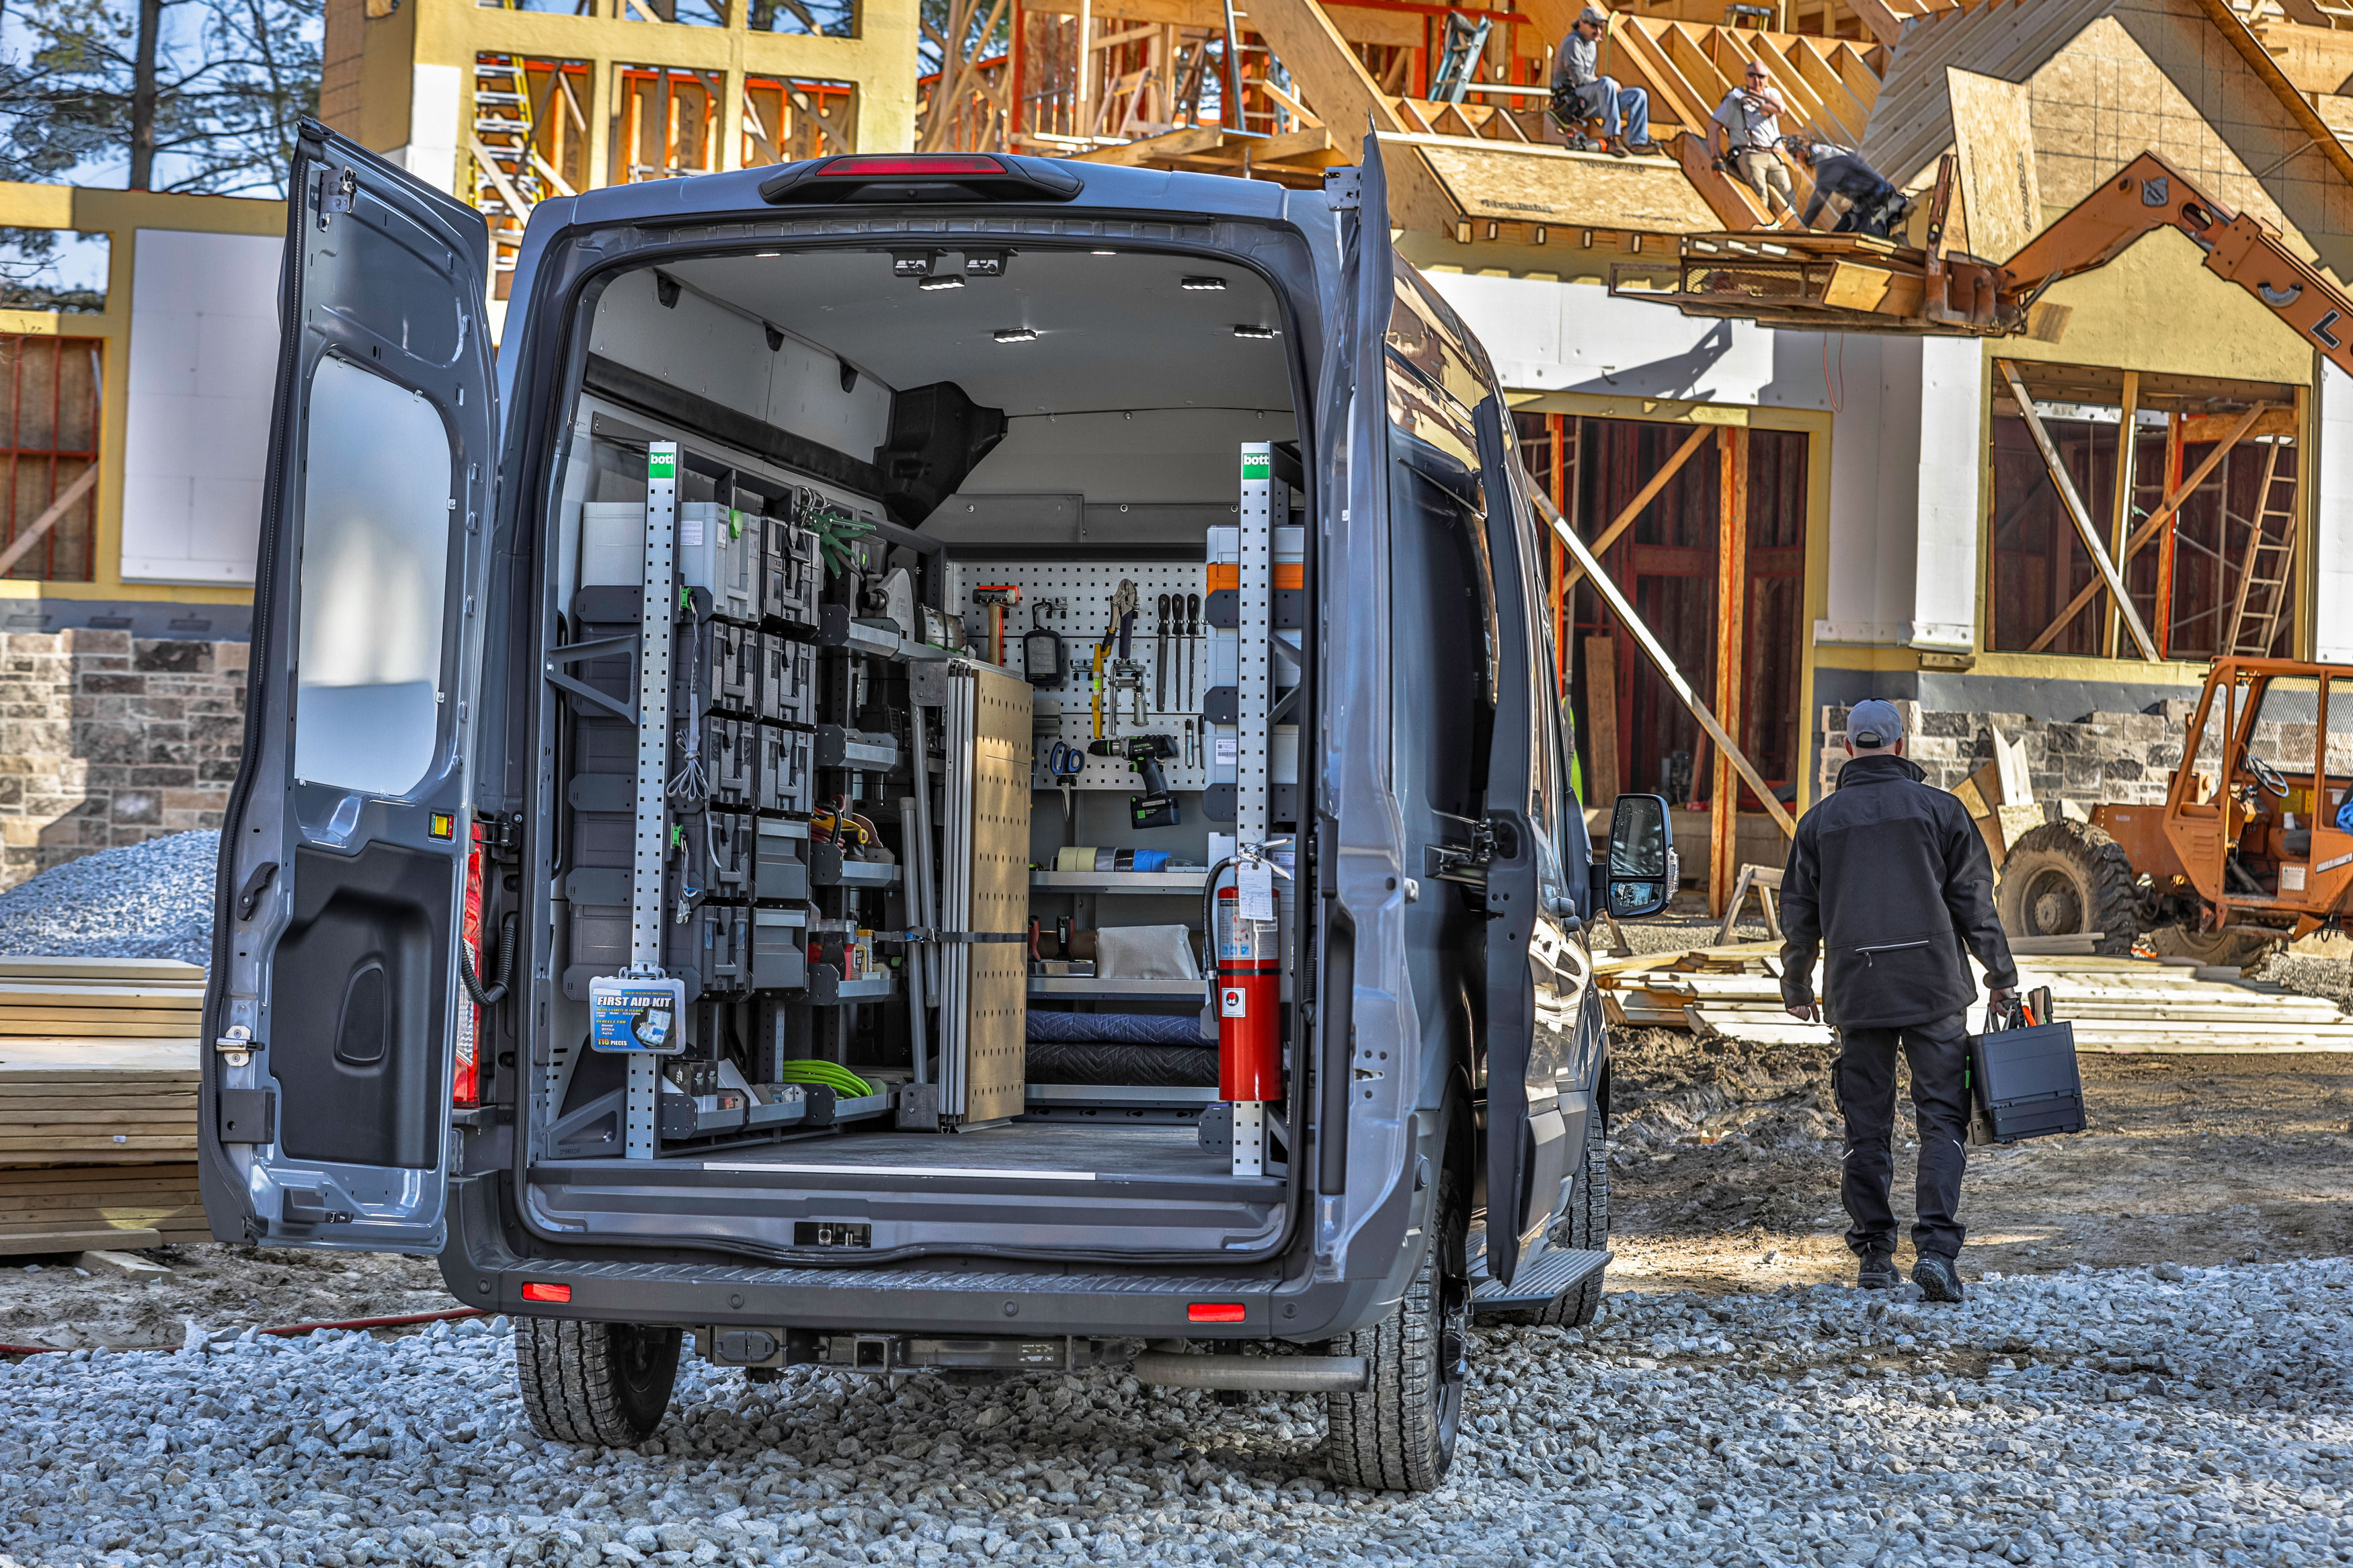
1889, 881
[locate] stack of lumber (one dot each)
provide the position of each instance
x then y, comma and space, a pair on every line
2120, 1005
97, 1103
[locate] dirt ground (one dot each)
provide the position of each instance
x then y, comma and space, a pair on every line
1725, 1168
55, 1301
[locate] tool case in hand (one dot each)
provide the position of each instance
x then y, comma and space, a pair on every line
2023, 1082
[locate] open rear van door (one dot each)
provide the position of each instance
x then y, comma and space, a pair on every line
332, 1013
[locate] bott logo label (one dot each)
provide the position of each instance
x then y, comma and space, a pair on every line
1255, 465
661, 466
1233, 1002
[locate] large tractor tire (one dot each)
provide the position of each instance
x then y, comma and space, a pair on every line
2065, 878
2224, 950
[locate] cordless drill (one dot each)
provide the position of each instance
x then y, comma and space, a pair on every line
1156, 808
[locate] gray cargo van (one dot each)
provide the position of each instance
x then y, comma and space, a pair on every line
947, 763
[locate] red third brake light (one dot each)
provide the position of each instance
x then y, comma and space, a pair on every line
1214, 1312
880, 166
538, 1292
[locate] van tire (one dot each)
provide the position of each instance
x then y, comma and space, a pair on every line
1398, 1435
1585, 1228
603, 1385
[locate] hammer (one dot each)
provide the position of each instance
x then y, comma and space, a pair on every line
999, 599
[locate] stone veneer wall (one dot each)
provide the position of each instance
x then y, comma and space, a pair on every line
2122, 758
108, 738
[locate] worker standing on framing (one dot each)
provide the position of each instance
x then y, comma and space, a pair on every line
1579, 90
1744, 137
1890, 875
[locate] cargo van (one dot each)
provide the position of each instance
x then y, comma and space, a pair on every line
945, 763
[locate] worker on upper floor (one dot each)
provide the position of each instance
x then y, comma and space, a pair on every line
1579, 90
1743, 138
1862, 200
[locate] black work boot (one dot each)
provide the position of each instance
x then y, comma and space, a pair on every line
1877, 1272
1937, 1279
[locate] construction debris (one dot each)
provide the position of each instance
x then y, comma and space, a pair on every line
2120, 1005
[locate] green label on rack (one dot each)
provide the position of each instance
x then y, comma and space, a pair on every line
1254, 465
661, 466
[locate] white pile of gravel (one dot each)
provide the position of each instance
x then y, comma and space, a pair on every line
2078, 1419
151, 900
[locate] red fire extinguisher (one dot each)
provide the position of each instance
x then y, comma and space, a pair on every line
1250, 1004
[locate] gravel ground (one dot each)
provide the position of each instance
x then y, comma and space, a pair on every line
151, 900
2161, 1415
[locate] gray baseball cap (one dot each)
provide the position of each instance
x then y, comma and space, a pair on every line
1594, 15
1874, 722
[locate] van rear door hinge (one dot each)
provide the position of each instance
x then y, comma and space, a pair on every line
1344, 188
1463, 863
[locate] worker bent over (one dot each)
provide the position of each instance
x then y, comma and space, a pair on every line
1579, 90
1888, 877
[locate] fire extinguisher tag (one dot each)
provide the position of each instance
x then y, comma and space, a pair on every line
1255, 880
1233, 1002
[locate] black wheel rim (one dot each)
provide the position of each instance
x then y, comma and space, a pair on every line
2053, 904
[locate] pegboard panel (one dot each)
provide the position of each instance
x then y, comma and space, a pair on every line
1084, 591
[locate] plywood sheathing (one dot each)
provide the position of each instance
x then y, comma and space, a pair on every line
2112, 79
1993, 126
1574, 190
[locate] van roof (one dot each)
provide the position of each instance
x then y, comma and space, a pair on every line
1104, 186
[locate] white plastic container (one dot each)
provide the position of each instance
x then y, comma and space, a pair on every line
718, 550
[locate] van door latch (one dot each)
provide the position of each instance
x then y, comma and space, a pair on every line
1463, 863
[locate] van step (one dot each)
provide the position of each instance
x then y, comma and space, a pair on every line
1544, 1279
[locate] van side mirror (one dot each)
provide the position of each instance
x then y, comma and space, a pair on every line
1643, 867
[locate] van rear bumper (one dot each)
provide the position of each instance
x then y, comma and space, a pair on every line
483, 1270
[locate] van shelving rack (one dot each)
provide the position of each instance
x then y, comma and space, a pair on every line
656, 1118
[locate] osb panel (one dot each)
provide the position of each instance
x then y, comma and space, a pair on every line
1588, 192
1994, 132
2156, 308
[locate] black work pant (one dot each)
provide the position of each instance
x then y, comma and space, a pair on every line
1865, 1083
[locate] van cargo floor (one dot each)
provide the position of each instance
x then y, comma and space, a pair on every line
1028, 1152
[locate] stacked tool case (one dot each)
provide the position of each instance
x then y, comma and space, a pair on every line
741, 716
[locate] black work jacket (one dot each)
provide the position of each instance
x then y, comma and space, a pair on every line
1888, 876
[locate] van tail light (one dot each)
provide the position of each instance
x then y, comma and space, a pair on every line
464, 1075
950, 177
536, 1291
1215, 1313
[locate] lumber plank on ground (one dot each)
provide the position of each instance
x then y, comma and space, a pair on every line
104, 971
96, 1238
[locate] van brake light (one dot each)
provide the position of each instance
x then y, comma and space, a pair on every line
464, 1075
536, 1291
1215, 1313
947, 178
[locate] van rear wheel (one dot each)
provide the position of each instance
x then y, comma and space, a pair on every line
601, 1384
1398, 1434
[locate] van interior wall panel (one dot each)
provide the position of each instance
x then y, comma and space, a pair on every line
357, 1005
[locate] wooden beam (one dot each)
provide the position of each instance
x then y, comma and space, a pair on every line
1643, 497
1659, 657
2064, 483
48, 519
2120, 511
1731, 636
1600, 714
2149, 526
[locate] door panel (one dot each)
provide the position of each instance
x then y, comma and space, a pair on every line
1537, 971
360, 981
333, 991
